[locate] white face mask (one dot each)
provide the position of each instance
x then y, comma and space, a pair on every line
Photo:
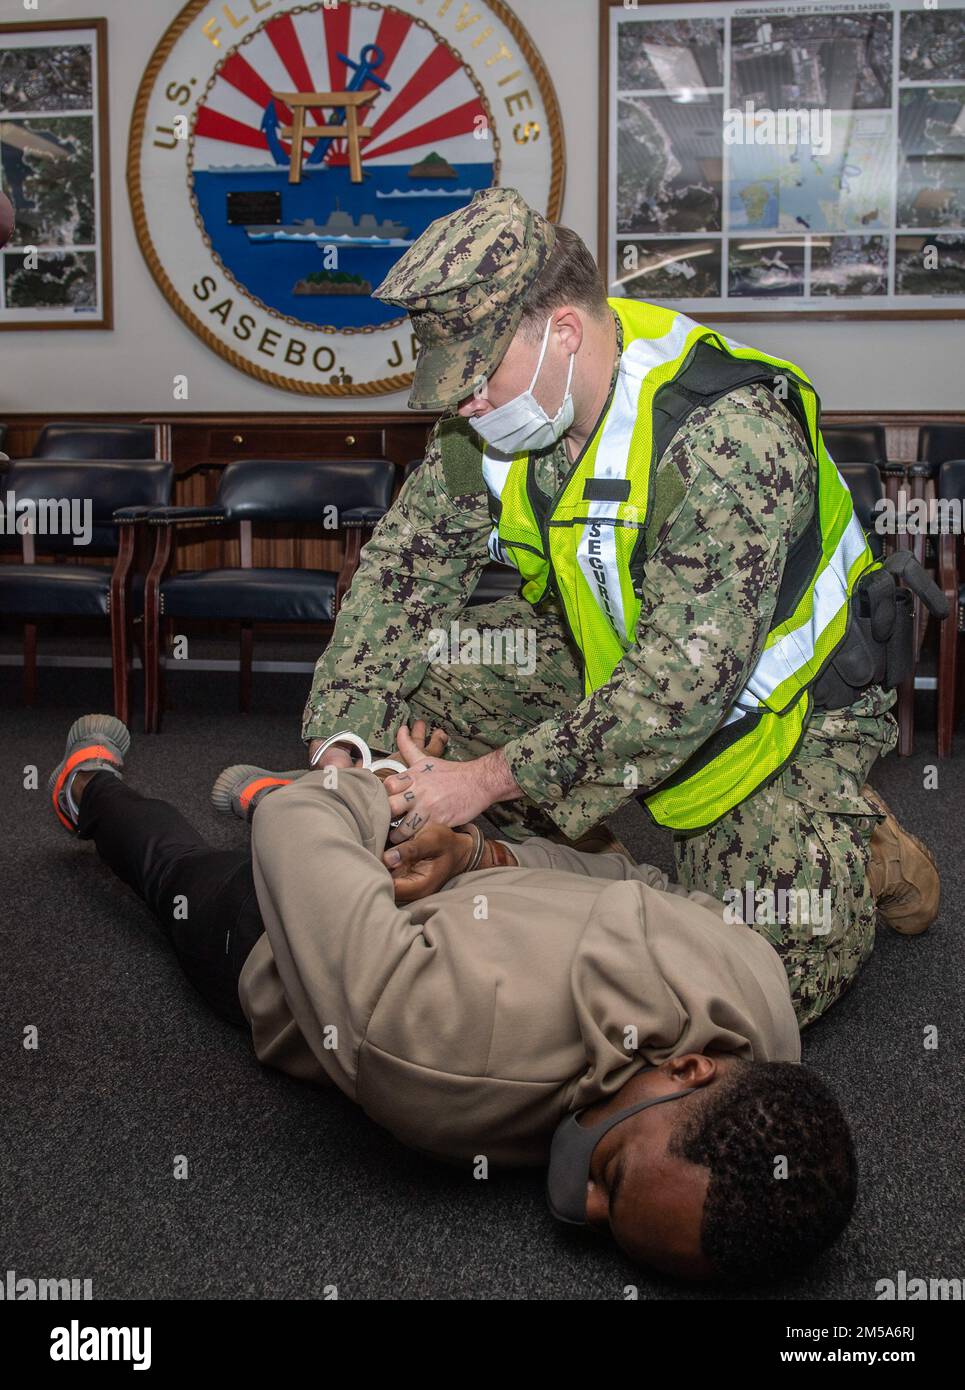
522, 425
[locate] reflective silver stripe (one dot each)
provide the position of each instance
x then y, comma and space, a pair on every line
496, 472
596, 553
496, 551
644, 354
789, 655
737, 711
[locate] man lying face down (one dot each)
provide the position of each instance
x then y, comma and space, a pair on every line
545, 1006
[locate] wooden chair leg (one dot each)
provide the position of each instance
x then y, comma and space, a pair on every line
244, 674
947, 683
152, 712
119, 664
137, 645
163, 548
165, 698
120, 617
30, 663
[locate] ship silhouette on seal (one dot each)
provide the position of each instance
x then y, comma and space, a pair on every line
340, 227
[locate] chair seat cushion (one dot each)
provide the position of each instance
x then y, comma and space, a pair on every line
77, 589
256, 595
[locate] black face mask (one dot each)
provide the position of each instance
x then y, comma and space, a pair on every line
571, 1153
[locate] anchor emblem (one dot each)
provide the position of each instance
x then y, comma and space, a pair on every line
342, 124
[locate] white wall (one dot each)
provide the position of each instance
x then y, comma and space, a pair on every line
892, 365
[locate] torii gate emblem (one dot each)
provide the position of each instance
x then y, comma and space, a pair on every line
344, 121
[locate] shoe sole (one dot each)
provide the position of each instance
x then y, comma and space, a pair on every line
229, 784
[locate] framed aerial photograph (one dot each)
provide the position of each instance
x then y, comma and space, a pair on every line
771, 160
56, 270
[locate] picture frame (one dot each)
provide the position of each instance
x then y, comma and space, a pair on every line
805, 162
56, 271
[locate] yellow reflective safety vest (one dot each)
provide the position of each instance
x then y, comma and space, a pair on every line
586, 545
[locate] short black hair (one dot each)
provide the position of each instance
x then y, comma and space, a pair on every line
758, 1224
570, 276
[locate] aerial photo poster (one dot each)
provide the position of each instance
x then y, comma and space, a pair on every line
767, 159
55, 272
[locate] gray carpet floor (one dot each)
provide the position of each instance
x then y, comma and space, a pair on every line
291, 1189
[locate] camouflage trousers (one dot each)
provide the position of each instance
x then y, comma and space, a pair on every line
791, 859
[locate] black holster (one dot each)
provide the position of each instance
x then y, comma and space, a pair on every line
879, 645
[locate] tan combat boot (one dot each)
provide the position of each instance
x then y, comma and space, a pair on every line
902, 874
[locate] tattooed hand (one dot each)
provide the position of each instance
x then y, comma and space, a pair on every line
446, 793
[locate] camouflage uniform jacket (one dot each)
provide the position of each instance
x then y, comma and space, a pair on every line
733, 490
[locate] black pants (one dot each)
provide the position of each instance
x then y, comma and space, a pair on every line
203, 898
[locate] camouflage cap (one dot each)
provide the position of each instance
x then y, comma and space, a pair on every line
463, 284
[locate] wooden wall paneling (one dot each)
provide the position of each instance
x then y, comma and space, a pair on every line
212, 441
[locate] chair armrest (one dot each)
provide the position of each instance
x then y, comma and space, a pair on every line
362, 516
125, 516
174, 516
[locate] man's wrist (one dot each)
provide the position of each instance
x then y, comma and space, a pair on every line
498, 855
468, 838
492, 854
339, 749
499, 782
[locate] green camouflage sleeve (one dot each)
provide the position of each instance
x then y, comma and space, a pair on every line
710, 589
415, 574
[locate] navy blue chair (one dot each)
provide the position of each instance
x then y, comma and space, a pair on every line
856, 443
867, 492
938, 444
62, 500
80, 439
255, 491
865, 444
496, 581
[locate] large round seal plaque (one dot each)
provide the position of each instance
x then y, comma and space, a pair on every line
282, 157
